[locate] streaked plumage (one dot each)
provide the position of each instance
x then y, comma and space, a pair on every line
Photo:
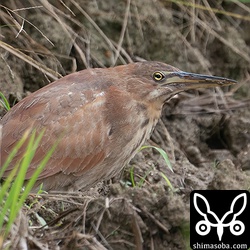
102, 115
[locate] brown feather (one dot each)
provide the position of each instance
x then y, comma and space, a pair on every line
100, 117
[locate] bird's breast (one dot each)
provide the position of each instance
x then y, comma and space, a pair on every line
131, 122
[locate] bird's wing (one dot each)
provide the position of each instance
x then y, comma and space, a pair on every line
71, 113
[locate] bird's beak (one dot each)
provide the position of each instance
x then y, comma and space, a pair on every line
179, 81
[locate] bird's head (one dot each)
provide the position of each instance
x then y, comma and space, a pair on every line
159, 81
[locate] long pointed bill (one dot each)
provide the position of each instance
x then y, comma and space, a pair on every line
179, 81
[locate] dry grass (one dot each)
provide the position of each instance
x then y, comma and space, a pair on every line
55, 38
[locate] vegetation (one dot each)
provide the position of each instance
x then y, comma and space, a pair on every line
15, 190
142, 179
41, 41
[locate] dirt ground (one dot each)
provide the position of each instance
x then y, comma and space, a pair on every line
205, 133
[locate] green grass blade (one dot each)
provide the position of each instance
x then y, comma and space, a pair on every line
168, 163
19, 180
35, 175
5, 199
7, 189
142, 180
163, 153
167, 181
12, 194
16, 191
132, 174
4, 102
13, 153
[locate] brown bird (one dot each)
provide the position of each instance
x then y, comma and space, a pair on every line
103, 116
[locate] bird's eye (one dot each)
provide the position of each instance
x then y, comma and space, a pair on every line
158, 76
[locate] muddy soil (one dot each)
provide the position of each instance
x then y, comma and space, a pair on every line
206, 134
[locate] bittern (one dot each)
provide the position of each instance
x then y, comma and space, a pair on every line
101, 117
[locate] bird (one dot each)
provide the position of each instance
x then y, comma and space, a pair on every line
102, 116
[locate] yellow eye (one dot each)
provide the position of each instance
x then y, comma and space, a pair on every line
158, 76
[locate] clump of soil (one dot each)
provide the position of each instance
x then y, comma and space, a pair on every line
205, 133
